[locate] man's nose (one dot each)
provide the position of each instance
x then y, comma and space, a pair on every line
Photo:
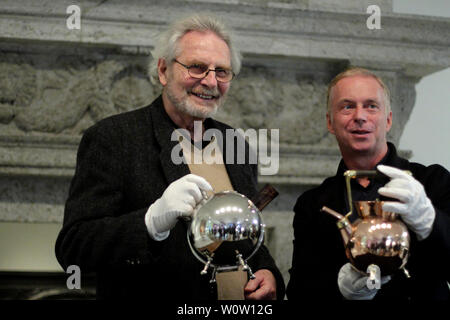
360, 115
210, 79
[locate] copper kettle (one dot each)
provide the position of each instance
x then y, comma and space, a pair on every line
376, 237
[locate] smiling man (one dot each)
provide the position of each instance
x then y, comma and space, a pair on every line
189, 91
359, 115
121, 219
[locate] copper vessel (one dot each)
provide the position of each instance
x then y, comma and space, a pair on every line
376, 236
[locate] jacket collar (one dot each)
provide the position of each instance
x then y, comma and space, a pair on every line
163, 128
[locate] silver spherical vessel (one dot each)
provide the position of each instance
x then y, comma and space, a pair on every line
226, 230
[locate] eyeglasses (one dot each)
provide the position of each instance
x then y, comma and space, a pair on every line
199, 71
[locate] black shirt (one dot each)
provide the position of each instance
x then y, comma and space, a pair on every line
319, 251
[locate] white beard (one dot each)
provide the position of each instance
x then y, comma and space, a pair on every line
183, 104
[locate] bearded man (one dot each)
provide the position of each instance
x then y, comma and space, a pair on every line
121, 219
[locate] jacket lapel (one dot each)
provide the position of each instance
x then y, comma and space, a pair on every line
163, 128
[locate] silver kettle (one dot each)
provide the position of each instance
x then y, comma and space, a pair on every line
227, 229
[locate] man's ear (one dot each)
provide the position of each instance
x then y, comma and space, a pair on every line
389, 121
329, 124
162, 71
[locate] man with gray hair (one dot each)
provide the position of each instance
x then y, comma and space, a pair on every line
359, 115
121, 219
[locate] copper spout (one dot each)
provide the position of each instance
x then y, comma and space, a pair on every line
335, 214
343, 224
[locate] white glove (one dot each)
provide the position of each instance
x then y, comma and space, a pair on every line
179, 199
415, 207
353, 285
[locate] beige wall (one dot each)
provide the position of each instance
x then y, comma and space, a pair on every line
427, 132
28, 246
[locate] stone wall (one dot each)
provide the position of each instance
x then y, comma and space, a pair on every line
56, 82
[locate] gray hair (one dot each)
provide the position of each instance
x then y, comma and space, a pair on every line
167, 44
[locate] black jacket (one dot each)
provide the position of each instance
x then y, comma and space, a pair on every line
123, 166
319, 250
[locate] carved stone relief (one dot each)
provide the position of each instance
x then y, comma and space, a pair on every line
17, 86
67, 94
264, 98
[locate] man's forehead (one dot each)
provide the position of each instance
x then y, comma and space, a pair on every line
357, 79
358, 86
201, 39
368, 100
204, 43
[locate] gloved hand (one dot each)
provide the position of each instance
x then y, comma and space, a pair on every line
353, 285
414, 207
179, 199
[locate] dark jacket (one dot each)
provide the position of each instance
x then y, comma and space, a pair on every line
123, 166
319, 250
